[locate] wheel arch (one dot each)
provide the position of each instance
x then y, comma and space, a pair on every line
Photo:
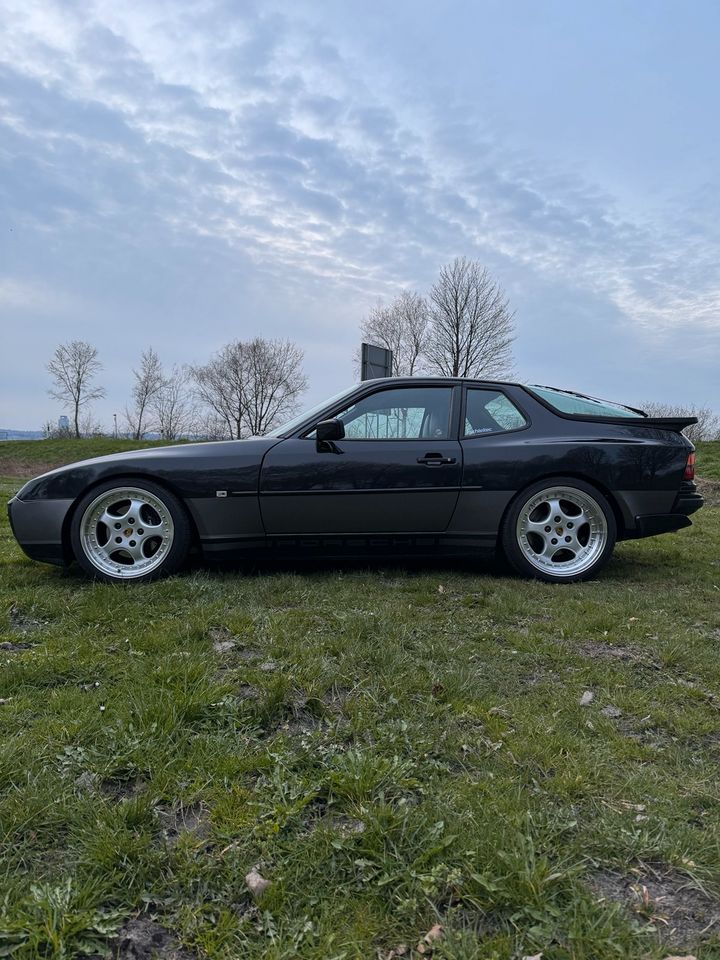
620, 520
123, 478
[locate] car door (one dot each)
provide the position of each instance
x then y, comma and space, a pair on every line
397, 470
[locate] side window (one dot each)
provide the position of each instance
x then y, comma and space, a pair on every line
489, 411
405, 413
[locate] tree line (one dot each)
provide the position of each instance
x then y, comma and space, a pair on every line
245, 389
463, 327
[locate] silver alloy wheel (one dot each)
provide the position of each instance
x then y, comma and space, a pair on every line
126, 532
562, 531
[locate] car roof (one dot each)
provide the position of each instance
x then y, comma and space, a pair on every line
430, 379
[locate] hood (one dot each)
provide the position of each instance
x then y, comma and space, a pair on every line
70, 479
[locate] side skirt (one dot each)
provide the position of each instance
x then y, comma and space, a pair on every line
355, 545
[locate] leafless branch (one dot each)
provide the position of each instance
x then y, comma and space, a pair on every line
73, 366
173, 405
149, 381
251, 386
401, 327
471, 331
707, 427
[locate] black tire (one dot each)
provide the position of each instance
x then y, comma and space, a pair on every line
175, 543
511, 538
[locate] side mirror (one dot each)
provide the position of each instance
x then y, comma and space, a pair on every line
329, 430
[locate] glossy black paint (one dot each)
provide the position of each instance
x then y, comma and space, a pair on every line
431, 494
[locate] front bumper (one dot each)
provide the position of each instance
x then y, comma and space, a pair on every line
38, 527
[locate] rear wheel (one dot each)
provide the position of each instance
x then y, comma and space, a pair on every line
559, 530
133, 531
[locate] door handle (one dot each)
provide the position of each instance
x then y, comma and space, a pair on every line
435, 459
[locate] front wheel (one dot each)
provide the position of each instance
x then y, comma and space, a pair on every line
130, 531
559, 530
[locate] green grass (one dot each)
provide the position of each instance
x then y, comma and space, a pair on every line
393, 748
708, 459
25, 457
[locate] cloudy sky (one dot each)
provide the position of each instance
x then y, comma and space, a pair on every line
185, 172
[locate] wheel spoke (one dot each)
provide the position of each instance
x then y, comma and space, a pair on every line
109, 548
109, 519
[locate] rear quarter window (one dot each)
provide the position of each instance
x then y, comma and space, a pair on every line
490, 411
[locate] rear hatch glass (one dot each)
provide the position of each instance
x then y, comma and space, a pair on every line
577, 404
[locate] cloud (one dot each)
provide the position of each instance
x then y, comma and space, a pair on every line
162, 132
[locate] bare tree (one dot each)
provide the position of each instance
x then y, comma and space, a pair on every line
173, 405
707, 427
149, 381
207, 425
401, 327
219, 385
251, 385
73, 367
471, 331
274, 381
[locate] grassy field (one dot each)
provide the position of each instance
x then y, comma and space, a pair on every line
533, 768
26, 458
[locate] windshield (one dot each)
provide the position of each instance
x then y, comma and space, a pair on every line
565, 401
284, 429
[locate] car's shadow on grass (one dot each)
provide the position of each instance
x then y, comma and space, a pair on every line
485, 566
396, 565
283, 565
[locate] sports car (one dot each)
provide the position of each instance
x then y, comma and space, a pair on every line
415, 465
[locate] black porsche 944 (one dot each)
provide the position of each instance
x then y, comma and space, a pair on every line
407, 465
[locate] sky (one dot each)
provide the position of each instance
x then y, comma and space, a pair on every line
182, 173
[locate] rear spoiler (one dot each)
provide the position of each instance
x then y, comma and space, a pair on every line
677, 424
665, 423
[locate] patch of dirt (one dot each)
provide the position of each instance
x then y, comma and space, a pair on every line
338, 824
224, 641
537, 675
247, 653
710, 489
301, 724
193, 819
606, 651
642, 732
146, 940
334, 699
681, 913
21, 622
118, 788
304, 715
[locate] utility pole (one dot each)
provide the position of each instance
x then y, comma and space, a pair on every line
115, 419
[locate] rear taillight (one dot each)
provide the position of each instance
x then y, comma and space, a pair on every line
690, 467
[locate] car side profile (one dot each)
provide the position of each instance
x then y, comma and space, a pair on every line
407, 465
